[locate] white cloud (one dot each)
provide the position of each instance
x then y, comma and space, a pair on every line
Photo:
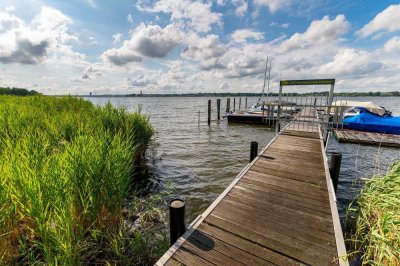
386, 21
392, 45
117, 37
46, 37
242, 35
241, 7
351, 63
146, 40
9, 9
129, 18
285, 25
195, 15
273, 5
91, 3
207, 50
324, 31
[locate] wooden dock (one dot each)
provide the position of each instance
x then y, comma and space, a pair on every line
367, 138
280, 210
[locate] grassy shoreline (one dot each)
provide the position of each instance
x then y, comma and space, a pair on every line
67, 168
374, 221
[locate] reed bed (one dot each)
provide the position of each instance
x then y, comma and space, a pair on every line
66, 169
375, 238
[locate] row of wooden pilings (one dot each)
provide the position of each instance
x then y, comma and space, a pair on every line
228, 107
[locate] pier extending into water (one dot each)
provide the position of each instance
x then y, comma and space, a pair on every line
280, 210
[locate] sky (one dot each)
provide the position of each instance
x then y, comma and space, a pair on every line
188, 46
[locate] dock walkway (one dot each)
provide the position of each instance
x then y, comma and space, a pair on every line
280, 210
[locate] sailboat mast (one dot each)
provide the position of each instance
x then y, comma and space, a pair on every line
269, 78
265, 77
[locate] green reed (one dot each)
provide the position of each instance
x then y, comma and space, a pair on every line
66, 167
376, 235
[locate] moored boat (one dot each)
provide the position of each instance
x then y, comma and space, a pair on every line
368, 121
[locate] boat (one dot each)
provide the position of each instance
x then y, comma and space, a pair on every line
365, 120
263, 112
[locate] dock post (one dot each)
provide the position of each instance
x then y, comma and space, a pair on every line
253, 150
334, 168
240, 103
218, 109
245, 105
209, 112
228, 105
234, 104
263, 113
176, 219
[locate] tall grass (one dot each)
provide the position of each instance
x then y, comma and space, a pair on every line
66, 167
376, 216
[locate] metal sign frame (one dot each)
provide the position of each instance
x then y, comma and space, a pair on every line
302, 82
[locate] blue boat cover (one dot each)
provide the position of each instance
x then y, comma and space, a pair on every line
367, 121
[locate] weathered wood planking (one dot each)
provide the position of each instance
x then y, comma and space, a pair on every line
367, 138
279, 211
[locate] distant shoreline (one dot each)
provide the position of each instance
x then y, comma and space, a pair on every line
341, 94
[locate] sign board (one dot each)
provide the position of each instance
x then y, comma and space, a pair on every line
307, 82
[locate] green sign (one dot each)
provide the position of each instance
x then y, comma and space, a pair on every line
307, 82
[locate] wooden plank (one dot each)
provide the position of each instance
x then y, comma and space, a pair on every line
249, 232
208, 253
278, 183
247, 245
265, 192
284, 226
297, 185
228, 249
303, 170
187, 257
277, 200
173, 262
290, 214
281, 172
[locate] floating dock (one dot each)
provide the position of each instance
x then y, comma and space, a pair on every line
280, 210
367, 138
248, 118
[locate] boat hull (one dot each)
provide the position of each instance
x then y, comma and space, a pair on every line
249, 118
369, 122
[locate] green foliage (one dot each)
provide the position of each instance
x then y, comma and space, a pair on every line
66, 167
376, 236
17, 92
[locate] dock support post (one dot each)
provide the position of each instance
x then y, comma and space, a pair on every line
334, 168
218, 109
245, 104
228, 105
209, 112
240, 103
253, 150
234, 104
176, 219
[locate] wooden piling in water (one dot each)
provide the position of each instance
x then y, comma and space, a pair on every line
234, 104
209, 112
334, 168
245, 105
253, 150
176, 219
218, 109
240, 103
228, 105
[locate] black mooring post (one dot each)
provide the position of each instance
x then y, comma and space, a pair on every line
209, 112
176, 219
334, 168
253, 150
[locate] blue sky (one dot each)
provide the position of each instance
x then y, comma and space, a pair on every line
167, 46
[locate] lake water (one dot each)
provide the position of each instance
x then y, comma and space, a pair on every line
199, 161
